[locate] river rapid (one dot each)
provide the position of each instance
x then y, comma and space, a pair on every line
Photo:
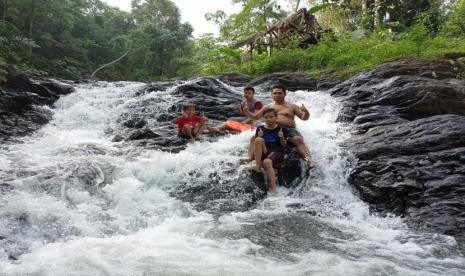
76, 203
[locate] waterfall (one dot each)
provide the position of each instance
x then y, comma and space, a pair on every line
75, 203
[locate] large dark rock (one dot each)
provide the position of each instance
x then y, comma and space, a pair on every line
291, 81
226, 192
142, 134
135, 123
211, 98
21, 96
156, 87
409, 141
234, 78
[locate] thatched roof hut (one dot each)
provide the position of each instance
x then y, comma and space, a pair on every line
300, 27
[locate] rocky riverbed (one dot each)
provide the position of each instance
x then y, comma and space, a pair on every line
408, 121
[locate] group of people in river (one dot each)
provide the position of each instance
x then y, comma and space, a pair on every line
268, 145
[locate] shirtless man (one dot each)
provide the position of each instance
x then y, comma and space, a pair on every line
286, 114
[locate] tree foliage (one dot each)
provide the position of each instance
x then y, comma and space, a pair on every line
455, 21
348, 15
72, 38
364, 34
255, 16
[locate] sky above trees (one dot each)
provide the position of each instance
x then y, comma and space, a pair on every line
193, 11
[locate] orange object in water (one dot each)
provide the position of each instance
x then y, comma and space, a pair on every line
237, 126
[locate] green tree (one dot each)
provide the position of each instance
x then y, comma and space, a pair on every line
158, 24
455, 23
72, 38
348, 15
255, 16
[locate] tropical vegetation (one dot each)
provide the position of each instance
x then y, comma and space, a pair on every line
76, 39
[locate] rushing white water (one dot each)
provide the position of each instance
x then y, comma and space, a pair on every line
86, 206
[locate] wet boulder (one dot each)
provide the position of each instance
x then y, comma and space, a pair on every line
220, 195
156, 87
211, 98
409, 129
289, 174
5, 188
21, 97
227, 191
142, 134
234, 78
135, 123
291, 81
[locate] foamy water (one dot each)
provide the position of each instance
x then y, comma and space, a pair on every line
88, 206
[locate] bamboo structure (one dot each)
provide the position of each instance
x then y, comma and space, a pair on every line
299, 29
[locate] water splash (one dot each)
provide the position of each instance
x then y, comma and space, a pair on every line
82, 205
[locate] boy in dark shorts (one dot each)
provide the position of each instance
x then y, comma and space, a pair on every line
190, 126
269, 146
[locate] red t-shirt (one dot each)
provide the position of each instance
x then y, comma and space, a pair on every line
254, 106
190, 121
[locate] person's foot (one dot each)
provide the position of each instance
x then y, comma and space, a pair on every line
253, 169
192, 140
198, 137
275, 193
310, 163
213, 129
245, 160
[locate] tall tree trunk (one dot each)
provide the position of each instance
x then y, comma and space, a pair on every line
31, 18
377, 14
297, 6
30, 25
264, 15
4, 8
364, 7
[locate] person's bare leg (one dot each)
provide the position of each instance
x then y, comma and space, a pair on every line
268, 165
213, 129
187, 131
217, 128
259, 150
199, 128
303, 150
250, 150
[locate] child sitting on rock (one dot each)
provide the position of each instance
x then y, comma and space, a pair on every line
190, 126
245, 123
269, 147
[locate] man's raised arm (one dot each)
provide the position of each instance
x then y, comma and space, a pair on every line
302, 112
254, 116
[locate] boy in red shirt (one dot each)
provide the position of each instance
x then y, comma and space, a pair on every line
190, 126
